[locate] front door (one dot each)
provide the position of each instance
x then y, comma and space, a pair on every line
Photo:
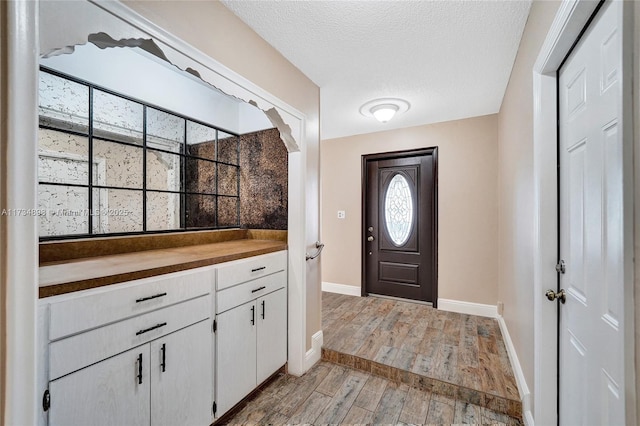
591, 362
400, 225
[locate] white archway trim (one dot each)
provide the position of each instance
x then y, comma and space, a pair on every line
236, 85
231, 82
570, 19
19, 236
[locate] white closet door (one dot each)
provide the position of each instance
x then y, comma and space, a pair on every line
592, 382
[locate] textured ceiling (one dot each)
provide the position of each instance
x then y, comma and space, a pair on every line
449, 59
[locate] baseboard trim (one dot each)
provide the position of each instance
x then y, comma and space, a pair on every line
349, 290
313, 355
523, 389
468, 308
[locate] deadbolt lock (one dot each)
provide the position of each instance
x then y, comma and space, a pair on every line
552, 295
370, 229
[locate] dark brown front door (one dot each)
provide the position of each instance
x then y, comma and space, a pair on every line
400, 225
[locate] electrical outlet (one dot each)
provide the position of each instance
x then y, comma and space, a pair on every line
341, 214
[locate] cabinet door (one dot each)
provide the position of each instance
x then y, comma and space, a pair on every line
107, 393
235, 355
272, 333
181, 370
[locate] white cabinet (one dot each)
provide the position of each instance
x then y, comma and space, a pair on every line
236, 346
181, 373
160, 383
107, 393
272, 334
153, 368
144, 352
251, 336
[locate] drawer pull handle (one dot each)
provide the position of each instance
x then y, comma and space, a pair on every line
258, 289
259, 269
163, 364
139, 369
155, 296
150, 328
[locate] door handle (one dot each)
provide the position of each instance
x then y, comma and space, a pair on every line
139, 369
552, 295
263, 309
319, 246
253, 315
370, 238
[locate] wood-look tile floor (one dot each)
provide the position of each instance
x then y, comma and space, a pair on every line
333, 394
459, 355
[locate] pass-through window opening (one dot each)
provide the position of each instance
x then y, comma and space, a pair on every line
110, 164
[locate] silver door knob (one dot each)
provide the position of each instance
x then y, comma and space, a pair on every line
370, 238
370, 229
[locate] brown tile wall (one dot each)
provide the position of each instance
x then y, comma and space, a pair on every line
263, 182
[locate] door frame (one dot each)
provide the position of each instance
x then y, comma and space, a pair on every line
388, 156
566, 28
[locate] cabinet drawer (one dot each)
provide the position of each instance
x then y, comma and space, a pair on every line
81, 350
239, 271
97, 307
243, 293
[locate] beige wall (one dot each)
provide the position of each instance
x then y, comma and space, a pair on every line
636, 103
217, 32
467, 203
515, 151
212, 28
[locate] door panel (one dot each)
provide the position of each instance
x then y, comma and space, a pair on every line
272, 333
400, 225
576, 365
235, 355
182, 390
591, 226
399, 272
106, 393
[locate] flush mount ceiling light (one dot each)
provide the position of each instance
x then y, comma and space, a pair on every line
384, 109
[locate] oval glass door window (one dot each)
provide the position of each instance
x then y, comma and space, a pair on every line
398, 210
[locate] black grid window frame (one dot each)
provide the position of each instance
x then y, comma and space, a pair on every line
183, 153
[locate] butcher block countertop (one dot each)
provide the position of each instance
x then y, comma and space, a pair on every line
63, 270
